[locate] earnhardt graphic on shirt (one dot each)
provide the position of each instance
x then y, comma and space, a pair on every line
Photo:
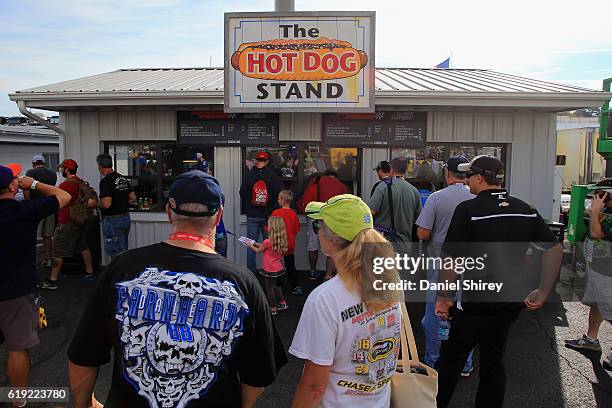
176, 329
374, 356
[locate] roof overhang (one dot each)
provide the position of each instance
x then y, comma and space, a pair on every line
541, 101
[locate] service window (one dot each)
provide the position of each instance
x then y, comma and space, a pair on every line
152, 167
296, 163
425, 166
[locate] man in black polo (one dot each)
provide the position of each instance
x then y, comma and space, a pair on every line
503, 227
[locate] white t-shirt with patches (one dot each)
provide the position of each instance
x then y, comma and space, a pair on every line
362, 347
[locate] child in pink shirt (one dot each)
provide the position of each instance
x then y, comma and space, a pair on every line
273, 248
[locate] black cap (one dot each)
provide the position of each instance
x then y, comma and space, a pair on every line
485, 165
195, 187
453, 162
384, 166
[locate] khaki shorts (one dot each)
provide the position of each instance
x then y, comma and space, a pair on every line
46, 226
19, 323
69, 239
313, 239
598, 292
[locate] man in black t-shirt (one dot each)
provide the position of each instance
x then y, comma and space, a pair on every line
500, 229
188, 326
18, 223
47, 226
116, 194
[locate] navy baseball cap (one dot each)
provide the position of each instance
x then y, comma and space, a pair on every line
485, 165
195, 187
452, 164
384, 166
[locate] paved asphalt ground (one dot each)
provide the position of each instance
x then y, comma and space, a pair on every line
542, 372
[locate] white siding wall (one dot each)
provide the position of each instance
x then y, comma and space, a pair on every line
22, 153
532, 140
530, 135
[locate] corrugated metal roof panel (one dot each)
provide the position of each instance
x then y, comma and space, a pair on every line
387, 79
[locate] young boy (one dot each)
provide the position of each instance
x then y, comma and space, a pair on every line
292, 226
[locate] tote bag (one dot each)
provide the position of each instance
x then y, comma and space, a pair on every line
413, 385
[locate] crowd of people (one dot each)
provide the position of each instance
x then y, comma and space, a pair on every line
189, 327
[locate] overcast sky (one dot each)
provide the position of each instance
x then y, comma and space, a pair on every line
42, 42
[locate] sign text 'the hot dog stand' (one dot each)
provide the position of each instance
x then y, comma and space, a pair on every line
305, 61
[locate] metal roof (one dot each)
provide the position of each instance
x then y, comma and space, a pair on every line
424, 87
27, 134
387, 79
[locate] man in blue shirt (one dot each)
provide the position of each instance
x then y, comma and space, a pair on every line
432, 225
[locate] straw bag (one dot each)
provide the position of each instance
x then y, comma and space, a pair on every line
417, 385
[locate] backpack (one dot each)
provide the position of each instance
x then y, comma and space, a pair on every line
259, 194
80, 213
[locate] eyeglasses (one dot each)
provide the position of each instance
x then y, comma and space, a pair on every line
315, 227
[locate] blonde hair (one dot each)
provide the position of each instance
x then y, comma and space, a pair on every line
278, 235
355, 261
286, 196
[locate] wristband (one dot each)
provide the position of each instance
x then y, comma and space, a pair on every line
33, 186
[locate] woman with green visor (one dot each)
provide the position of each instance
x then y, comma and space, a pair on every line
348, 333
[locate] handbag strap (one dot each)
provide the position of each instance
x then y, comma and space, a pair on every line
390, 194
407, 339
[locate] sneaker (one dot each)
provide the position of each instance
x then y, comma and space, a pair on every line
48, 284
297, 291
274, 312
45, 263
584, 343
313, 275
282, 305
607, 363
468, 372
88, 276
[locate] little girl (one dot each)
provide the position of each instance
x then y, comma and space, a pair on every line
273, 249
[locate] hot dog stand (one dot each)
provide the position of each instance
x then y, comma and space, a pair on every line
160, 122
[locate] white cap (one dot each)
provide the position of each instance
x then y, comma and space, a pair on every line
38, 158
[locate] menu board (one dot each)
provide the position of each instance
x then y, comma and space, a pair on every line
378, 129
227, 129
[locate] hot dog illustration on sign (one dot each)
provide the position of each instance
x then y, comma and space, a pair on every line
299, 59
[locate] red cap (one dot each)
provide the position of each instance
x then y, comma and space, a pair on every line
262, 155
15, 168
69, 164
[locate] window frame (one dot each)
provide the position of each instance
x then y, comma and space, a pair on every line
301, 180
449, 145
158, 178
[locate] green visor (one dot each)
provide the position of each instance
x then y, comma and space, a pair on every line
345, 215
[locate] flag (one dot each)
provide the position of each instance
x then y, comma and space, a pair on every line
444, 64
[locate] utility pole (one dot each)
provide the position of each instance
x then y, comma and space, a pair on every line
284, 5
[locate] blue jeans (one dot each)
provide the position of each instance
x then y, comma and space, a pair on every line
115, 231
431, 327
254, 227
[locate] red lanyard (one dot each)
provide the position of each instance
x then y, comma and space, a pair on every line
185, 236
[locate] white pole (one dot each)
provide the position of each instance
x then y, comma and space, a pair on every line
284, 5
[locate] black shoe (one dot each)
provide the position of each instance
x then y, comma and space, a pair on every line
48, 284
88, 276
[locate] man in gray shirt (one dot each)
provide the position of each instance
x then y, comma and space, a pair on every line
432, 225
406, 204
